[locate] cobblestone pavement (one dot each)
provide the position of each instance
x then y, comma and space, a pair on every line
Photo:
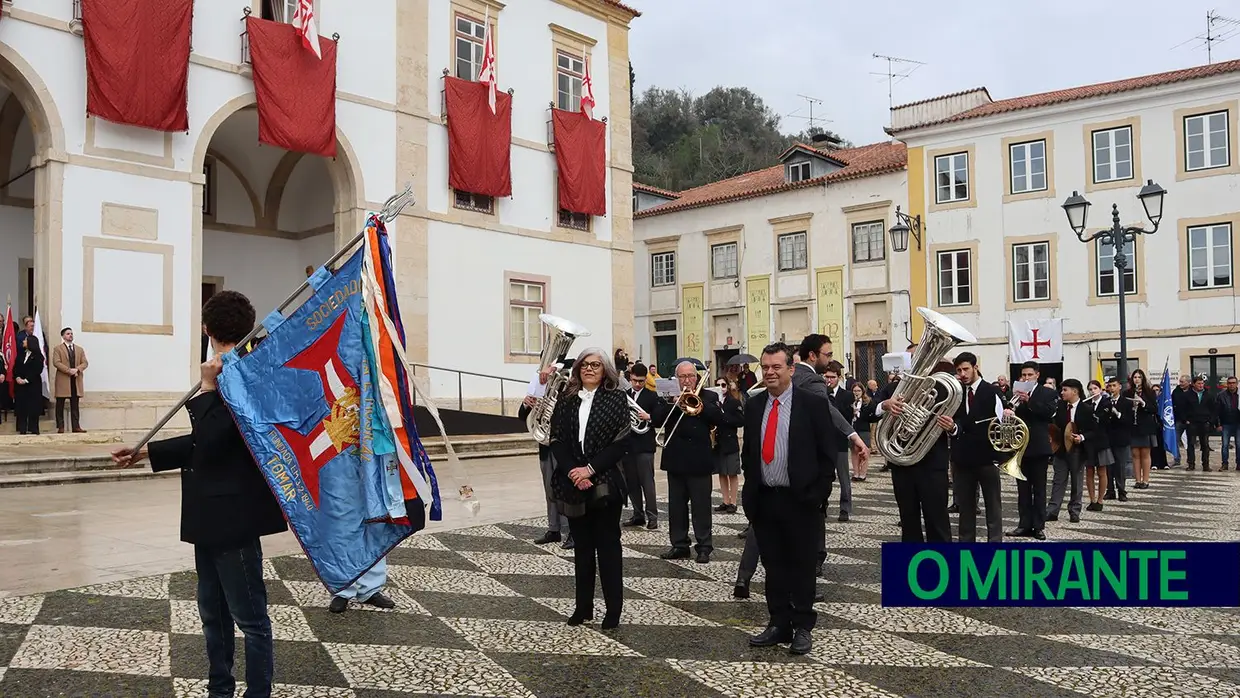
481, 613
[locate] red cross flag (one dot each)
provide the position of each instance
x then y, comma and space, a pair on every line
587, 90
486, 72
303, 22
1035, 340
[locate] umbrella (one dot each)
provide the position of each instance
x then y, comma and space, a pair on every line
697, 363
740, 359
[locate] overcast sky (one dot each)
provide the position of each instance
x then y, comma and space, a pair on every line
824, 49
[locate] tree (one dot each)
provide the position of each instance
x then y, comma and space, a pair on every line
632, 83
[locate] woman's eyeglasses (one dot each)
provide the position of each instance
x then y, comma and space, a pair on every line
591, 365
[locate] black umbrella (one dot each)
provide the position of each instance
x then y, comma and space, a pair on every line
697, 364
740, 359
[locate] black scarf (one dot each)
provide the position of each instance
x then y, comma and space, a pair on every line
609, 422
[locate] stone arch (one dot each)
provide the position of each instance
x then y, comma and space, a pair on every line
275, 188
245, 183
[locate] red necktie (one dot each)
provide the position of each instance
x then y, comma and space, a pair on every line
970, 399
768, 439
1069, 413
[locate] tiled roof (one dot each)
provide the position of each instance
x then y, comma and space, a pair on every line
864, 161
1073, 94
638, 186
619, 5
829, 154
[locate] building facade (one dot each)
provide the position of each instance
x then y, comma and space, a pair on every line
774, 255
988, 179
122, 232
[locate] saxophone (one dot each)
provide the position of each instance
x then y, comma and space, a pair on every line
906, 438
561, 334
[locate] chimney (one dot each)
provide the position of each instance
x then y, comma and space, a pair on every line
822, 141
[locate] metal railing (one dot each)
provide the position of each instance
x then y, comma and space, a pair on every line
425, 369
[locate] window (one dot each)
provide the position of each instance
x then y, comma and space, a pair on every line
723, 261
635, 203
1106, 269
1215, 367
1205, 141
1112, 154
955, 284
792, 252
569, 70
208, 187
473, 202
526, 301
470, 35
1110, 368
951, 176
663, 269
576, 221
1028, 162
278, 10
1031, 271
1209, 256
798, 172
868, 245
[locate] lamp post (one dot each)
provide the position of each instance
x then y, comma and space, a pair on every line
1118, 237
905, 226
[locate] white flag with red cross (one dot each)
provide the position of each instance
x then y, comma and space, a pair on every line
1035, 340
303, 22
486, 72
587, 89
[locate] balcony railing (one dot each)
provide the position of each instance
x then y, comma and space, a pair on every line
75, 24
476, 380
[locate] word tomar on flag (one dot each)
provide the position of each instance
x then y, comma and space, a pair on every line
325, 404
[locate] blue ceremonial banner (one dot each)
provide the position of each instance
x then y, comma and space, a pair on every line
1061, 574
1166, 412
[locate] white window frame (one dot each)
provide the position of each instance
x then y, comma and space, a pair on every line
1211, 261
663, 269
574, 72
951, 257
953, 183
530, 311
730, 261
1032, 267
1023, 153
797, 257
875, 245
1110, 149
474, 39
1208, 138
1130, 251
798, 171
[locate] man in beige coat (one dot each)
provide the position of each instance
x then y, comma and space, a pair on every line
70, 362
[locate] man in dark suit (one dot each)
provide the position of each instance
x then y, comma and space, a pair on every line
1069, 464
1036, 409
689, 462
639, 463
972, 453
789, 463
841, 400
226, 506
1119, 426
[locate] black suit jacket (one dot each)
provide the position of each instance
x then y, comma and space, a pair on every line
1119, 423
1083, 421
689, 452
812, 449
225, 500
971, 443
1092, 423
842, 399
1037, 412
644, 443
937, 457
733, 418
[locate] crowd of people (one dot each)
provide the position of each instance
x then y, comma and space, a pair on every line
27, 396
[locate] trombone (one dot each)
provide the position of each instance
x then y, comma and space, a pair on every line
689, 402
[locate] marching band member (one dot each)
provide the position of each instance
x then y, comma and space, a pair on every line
589, 436
727, 446
1148, 427
1070, 459
1096, 413
973, 454
1119, 425
1036, 409
557, 523
639, 463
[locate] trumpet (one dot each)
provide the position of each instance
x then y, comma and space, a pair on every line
690, 403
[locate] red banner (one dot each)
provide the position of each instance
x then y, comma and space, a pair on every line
479, 142
296, 90
137, 61
8, 349
581, 156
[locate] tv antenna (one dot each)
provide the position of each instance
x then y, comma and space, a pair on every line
892, 75
1218, 30
812, 101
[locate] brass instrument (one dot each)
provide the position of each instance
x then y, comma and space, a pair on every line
1069, 437
689, 402
1009, 435
561, 334
636, 424
906, 438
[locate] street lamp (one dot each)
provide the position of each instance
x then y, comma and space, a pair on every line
905, 225
1118, 237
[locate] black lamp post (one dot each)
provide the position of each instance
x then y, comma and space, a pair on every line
905, 225
1118, 237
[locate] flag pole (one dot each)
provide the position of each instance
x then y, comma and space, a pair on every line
391, 209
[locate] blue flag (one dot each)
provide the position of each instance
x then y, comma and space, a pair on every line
1171, 444
330, 434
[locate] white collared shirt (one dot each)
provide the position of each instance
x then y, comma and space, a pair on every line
583, 413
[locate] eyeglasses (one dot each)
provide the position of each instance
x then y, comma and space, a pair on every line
591, 365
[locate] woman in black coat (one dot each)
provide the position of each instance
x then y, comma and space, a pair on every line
28, 390
1147, 432
1093, 424
727, 449
589, 436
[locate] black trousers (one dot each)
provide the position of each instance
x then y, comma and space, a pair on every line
784, 528
1031, 493
969, 476
639, 474
685, 492
598, 541
73, 412
921, 495
1199, 432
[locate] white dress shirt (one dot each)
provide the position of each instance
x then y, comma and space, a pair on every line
583, 413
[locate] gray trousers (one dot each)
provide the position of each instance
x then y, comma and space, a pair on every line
683, 492
639, 474
556, 521
1071, 465
1119, 471
843, 476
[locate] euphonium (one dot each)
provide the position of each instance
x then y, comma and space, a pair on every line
1009, 435
561, 334
906, 438
636, 424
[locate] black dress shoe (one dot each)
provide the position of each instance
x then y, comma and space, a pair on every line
1052, 517
548, 537
732, 507
652, 525
1038, 535
676, 554
843, 517
1074, 518
339, 604
802, 642
580, 617
1123, 496
380, 600
721, 508
1109, 495
611, 621
703, 557
1018, 533
569, 543
635, 522
770, 637
953, 509
740, 590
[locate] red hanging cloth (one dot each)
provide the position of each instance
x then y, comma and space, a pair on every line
479, 142
581, 156
296, 90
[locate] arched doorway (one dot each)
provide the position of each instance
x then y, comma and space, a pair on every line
267, 215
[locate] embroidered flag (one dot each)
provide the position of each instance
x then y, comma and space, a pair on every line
1035, 340
1165, 410
486, 73
303, 22
8, 347
587, 89
325, 404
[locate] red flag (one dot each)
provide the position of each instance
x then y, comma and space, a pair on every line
303, 22
486, 73
479, 143
137, 61
581, 157
296, 91
8, 348
587, 90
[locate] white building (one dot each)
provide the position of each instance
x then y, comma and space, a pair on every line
989, 177
776, 253
121, 232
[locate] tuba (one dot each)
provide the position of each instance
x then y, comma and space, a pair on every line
560, 336
1009, 435
906, 438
